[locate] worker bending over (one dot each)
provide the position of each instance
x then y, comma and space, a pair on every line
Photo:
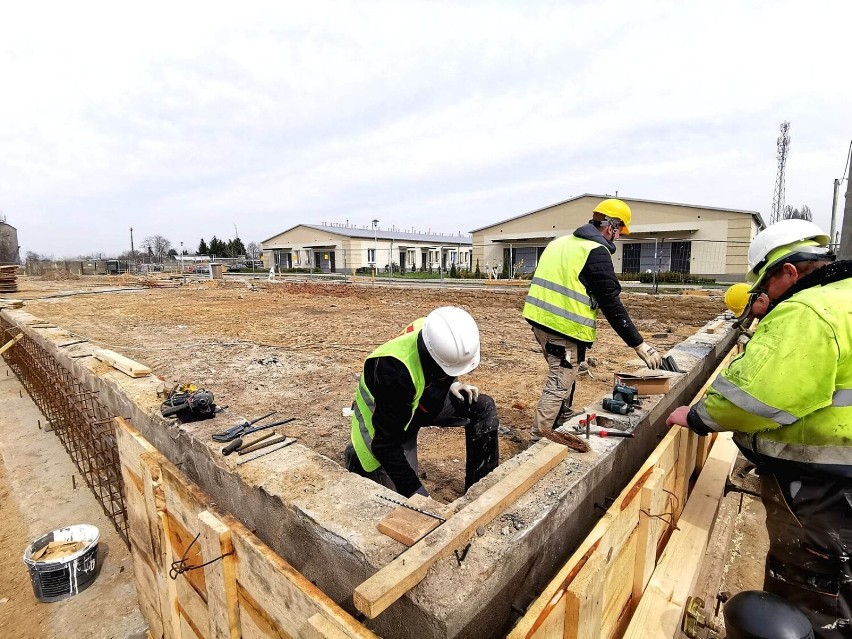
746, 305
574, 280
410, 382
788, 400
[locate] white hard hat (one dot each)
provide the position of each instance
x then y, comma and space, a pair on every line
452, 339
780, 234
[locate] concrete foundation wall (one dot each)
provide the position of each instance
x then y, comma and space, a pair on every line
323, 519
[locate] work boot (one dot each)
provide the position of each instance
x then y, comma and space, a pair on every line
567, 414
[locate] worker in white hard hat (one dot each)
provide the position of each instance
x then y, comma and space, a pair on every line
574, 280
788, 401
411, 382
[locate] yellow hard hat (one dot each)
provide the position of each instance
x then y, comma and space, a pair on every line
616, 209
736, 298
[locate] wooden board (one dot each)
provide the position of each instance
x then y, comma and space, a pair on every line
660, 611
409, 526
403, 573
122, 363
11, 343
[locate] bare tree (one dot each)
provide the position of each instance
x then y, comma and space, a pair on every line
252, 250
157, 245
791, 213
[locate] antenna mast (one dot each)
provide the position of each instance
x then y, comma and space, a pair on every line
778, 197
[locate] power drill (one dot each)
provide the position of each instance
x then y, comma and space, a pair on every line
624, 399
617, 406
627, 394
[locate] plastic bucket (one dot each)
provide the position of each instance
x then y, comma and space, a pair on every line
61, 578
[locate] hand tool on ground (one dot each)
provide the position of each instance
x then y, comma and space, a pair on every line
414, 508
602, 432
245, 428
670, 365
268, 451
237, 444
258, 445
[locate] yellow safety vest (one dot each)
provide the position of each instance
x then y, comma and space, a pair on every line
557, 299
403, 348
789, 396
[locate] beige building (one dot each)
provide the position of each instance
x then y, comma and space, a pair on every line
685, 238
345, 249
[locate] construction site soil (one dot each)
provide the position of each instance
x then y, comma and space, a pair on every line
297, 348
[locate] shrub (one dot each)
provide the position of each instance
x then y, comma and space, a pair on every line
476, 272
668, 277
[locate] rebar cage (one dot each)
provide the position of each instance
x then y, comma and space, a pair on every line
83, 425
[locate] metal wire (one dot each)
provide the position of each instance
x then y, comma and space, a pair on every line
82, 423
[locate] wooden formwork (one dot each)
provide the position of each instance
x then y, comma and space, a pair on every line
244, 590
632, 574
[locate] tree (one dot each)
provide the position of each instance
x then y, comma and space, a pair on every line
32, 256
477, 273
157, 246
236, 248
202, 247
453, 272
253, 250
217, 246
791, 213
172, 252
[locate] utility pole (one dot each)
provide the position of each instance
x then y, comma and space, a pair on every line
778, 197
845, 252
132, 250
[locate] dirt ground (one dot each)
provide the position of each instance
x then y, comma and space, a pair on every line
297, 348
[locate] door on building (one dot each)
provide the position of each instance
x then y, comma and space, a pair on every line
283, 260
324, 261
424, 259
402, 264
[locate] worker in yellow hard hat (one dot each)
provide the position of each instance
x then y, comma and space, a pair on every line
746, 305
788, 401
573, 281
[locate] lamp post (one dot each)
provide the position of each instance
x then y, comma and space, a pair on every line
375, 248
181, 261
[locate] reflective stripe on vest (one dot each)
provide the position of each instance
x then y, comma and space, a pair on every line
749, 404
557, 299
403, 348
803, 453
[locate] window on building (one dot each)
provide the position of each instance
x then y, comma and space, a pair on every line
631, 254
371, 256
681, 254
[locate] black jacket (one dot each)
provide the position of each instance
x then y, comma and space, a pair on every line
393, 390
598, 276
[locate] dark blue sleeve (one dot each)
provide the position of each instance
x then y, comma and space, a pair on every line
598, 276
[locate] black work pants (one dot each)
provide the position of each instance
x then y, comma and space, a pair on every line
809, 520
480, 424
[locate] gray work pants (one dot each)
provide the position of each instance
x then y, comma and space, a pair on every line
563, 357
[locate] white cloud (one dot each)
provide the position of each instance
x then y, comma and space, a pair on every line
184, 118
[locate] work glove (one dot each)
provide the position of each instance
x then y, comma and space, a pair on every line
460, 390
649, 355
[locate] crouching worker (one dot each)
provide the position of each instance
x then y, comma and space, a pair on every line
410, 382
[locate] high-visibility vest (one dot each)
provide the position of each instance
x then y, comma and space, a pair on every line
789, 396
403, 348
557, 299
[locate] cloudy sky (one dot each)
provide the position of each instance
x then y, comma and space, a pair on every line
187, 119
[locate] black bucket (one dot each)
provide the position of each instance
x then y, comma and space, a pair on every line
65, 577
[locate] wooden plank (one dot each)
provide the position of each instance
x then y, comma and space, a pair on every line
184, 546
192, 607
584, 600
11, 343
651, 519
660, 611
155, 504
408, 526
553, 625
321, 627
403, 573
537, 614
288, 598
122, 363
220, 576
716, 327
